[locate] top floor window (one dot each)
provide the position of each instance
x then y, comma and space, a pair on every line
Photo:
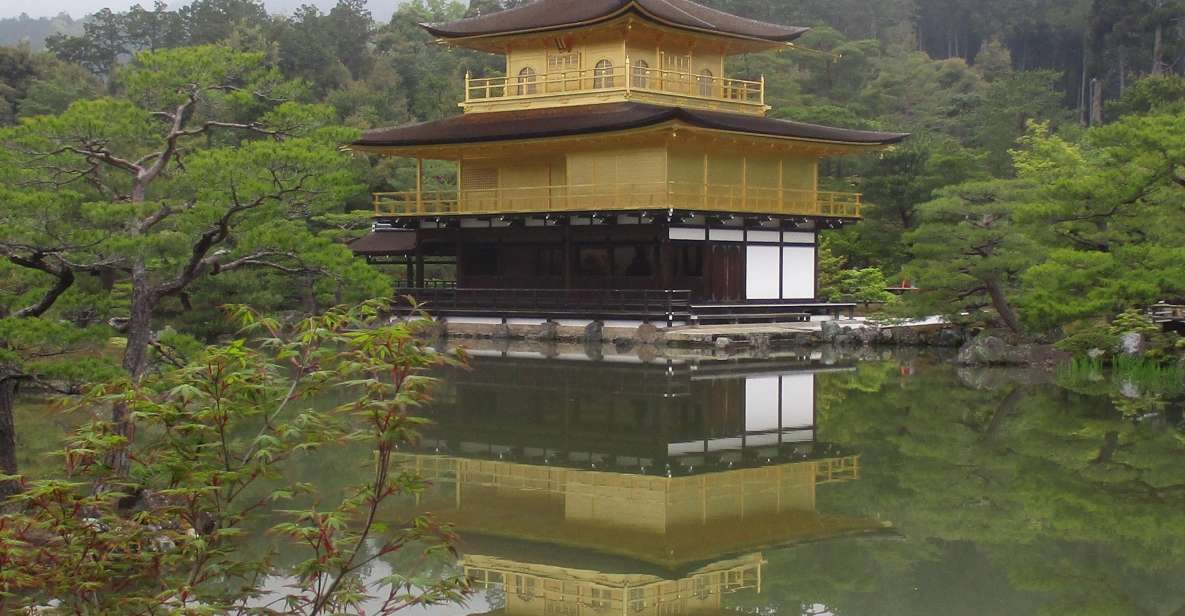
526, 81
676, 63
641, 74
705, 82
603, 75
676, 73
563, 62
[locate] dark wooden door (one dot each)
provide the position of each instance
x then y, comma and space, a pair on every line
726, 272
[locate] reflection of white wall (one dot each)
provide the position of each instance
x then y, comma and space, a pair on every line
761, 272
798, 272
797, 391
798, 436
798, 400
761, 403
677, 449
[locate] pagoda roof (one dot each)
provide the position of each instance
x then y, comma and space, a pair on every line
547, 15
384, 243
603, 118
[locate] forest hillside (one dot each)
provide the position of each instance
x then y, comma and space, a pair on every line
1055, 124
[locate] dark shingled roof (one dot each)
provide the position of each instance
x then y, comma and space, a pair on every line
384, 243
545, 15
601, 118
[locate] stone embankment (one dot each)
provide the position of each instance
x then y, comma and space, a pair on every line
990, 349
839, 333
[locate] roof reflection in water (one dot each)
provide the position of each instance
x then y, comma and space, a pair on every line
598, 487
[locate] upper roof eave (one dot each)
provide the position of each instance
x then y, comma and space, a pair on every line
774, 33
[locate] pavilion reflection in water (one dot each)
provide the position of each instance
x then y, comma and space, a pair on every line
601, 488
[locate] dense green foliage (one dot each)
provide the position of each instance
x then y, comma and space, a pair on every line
1009, 496
218, 436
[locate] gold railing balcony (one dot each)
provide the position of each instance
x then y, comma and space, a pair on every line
634, 82
618, 197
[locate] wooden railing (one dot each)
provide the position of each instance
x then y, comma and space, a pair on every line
634, 304
578, 592
624, 196
630, 78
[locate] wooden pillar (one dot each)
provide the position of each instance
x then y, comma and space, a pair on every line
419, 185
664, 256
568, 254
457, 248
781, 185
460, 193
744, 181
419, 280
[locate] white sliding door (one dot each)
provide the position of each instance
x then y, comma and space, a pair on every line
798, 272
761, 272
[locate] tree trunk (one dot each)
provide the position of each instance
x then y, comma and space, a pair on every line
1083, 116
135, 361
1096, 102
8, 466
1002, 306
1122, 72
1006, 408
1158, 51
308, 298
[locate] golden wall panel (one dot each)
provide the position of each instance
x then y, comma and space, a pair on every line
798, 172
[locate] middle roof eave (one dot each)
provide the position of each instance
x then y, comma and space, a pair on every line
603, 118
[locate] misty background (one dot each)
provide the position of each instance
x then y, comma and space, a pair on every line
78, 9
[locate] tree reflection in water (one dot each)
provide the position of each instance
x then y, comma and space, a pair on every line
973, 491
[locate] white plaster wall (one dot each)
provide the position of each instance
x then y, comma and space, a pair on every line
684, 233
764, 236
726, 235
761, 272
798, 237
798, 272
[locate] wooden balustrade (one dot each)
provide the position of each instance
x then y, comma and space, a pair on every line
700, 90
617, 197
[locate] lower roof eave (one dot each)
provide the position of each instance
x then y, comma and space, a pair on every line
583, 121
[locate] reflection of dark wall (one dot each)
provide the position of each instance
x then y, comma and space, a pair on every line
626, 409
720, 403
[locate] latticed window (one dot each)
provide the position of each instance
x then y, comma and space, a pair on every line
679, 64
601, 599
524, 587
563, 62
641, 74
603, 75
477, 178
526, 81
675, 73
637, 599
705, 82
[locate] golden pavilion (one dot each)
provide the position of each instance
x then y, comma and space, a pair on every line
615, 170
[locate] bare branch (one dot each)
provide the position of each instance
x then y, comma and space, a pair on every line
96, 152
64, 280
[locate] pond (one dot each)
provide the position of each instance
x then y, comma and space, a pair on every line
596, 482
893, 483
